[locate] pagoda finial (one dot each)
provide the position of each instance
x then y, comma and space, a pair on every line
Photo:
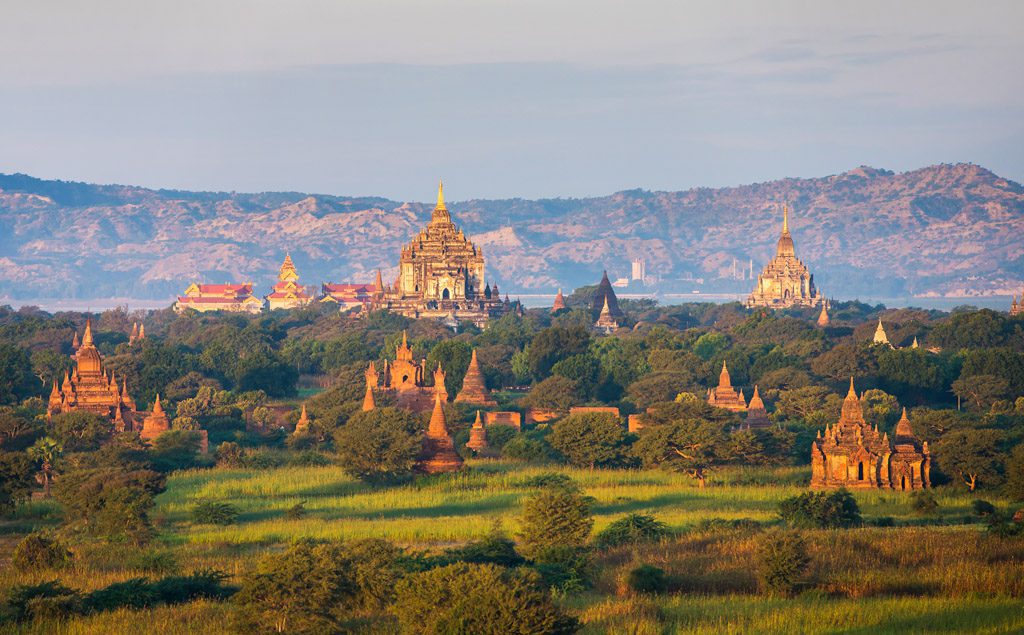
87, 336
157, 408
785, 218
852, 393
440, 195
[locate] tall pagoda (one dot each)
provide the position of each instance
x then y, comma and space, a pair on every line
474, 388
288, 293
786, 281
90, 388
605, 295
1017, 308
441, 276
724, 395
438, 454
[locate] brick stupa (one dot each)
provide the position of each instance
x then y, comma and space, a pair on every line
155, 424
477, 436
474, 389
438, 453
757, 415
559, 304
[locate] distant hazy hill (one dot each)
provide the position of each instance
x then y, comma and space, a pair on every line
945, 229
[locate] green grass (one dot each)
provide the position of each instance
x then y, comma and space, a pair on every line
458, 507
938, 573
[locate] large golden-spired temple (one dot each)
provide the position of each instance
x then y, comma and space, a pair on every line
441, 275
785, 281
90, 388
854, 454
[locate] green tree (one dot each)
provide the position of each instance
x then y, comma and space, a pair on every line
477, 598
1015, 474
821, 510
551, 345
981, 391
110, 502
972, 455
454, 356
555, 517
81, 431
380, 444
556, 393
17, 380
657, 387
47, 453
16, 469
782, 561
693, 446
584, 370
710, 345
590, 439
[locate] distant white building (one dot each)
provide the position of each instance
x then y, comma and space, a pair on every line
639, 269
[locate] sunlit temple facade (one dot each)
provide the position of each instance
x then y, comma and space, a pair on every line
786, 281
441, 276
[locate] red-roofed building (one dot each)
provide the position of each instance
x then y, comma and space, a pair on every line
219, 297
346, 296
288, 293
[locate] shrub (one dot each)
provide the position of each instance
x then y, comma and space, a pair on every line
531, 446
110, 502
821, 510
567, 569
318, 587
477, 598
136, 593
36, 552
590, 439
229, 454
46, 599
555, 517
296, 511
379, 445
923, 503
647, 579
782, 561
495, 548
983, 508
554, 480
632, 529
214, 513
156, 562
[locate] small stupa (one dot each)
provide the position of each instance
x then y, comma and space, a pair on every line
302, 425
474, 389
881, 338
559, 303
757, 415
438, 453
823, 319
477, 436
156, 423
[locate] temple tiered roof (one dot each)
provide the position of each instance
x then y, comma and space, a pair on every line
785, 281
724, 395
288, 293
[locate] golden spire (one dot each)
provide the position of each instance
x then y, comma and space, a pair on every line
724, 381
852, 393
440, 195
785, 218
87, 336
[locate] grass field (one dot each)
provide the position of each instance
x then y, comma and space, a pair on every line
935, 573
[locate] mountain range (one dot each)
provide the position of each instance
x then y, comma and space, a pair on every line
943, 230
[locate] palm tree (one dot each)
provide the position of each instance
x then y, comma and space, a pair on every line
47, 451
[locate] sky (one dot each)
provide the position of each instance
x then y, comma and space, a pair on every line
504, 99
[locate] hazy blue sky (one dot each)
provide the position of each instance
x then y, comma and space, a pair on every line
519, 98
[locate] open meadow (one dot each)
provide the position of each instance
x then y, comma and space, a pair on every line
901, 572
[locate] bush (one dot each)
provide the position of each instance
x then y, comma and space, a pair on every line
379, 445
36, 551
590, 439
315, 588
647, 579
553, 480
983, 508
229, 454
214, 513
495, 548
782, 561
477, 598
110, 502
564, 568
821, 510
531, 446
296, 511
47, 599
923, 503
634, 528
555, 517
